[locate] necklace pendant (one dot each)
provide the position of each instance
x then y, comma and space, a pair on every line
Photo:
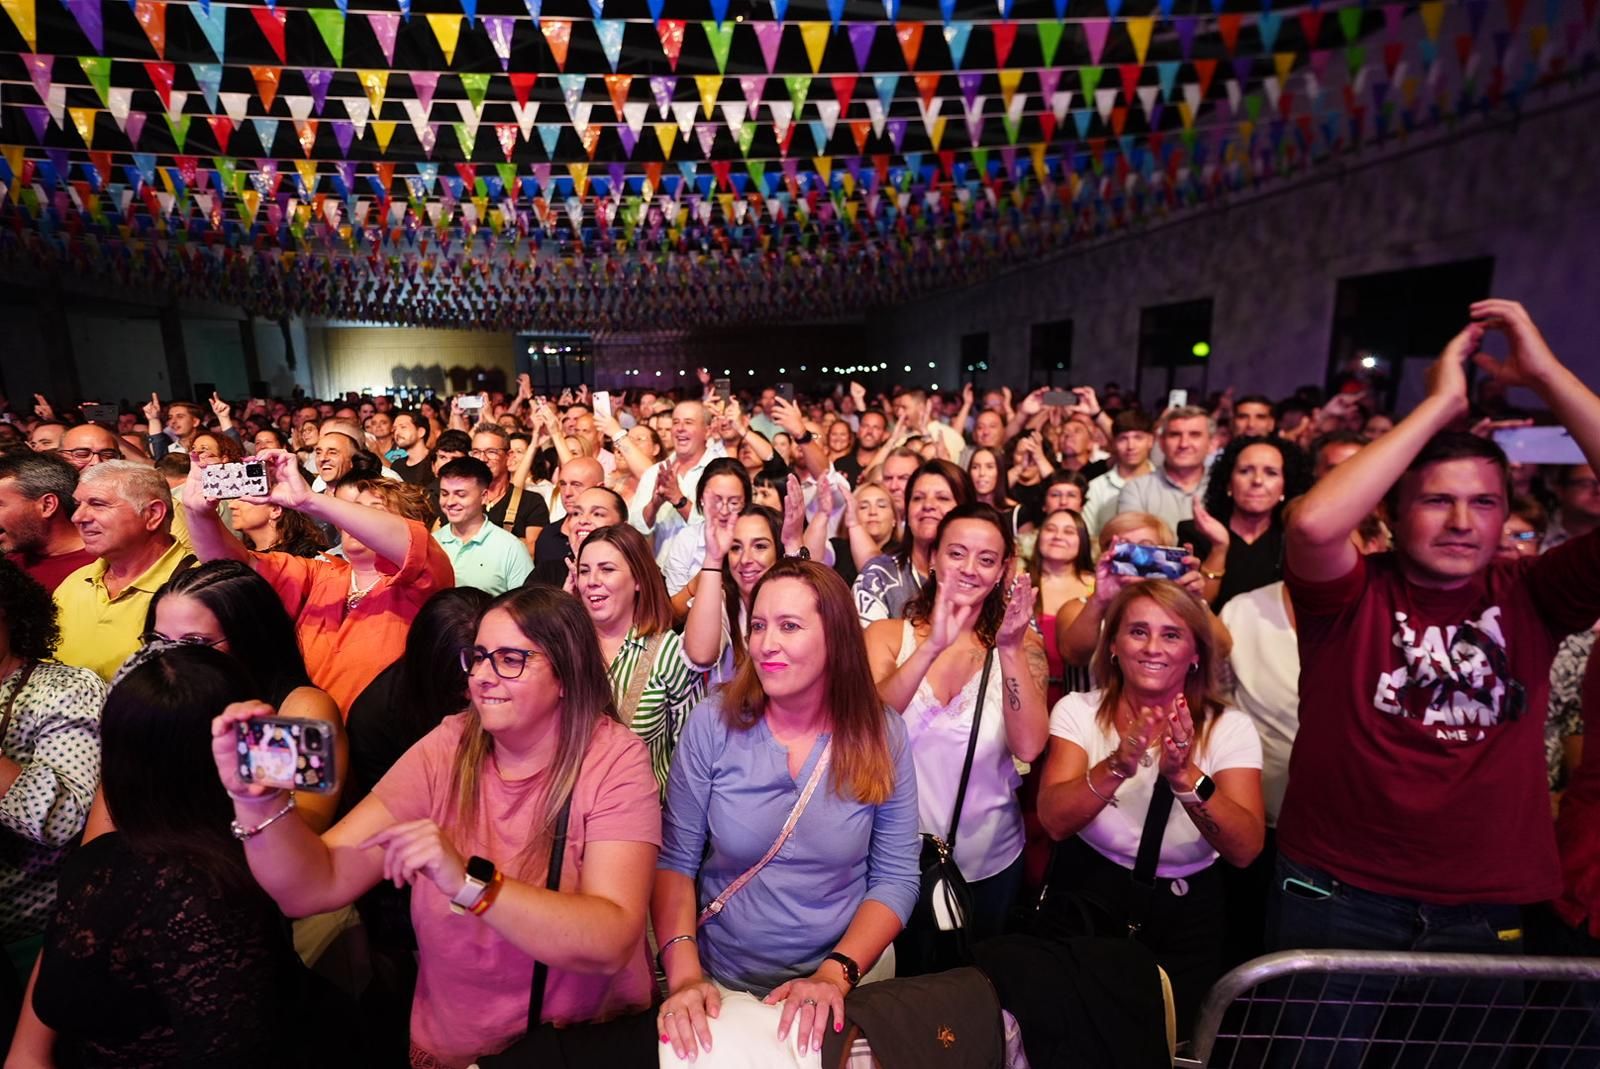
1147, 759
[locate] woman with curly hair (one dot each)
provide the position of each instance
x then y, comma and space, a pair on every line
1237, 532
49, 758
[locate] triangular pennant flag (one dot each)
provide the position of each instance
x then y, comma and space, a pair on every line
1005, 35
476, 87
221, 130
465, 137
26, 20
709, 85
384, 27
752, 86
1139, 30
683, 111
910, 37
733, 114
306, 134
382, 132
151, 15
720, 38
160, 75
558, 35
271, 22
118, 102
633, 114
317, 80
1009, 80
522, 85
500, 30
423, 83
610, 32
927, 85
237, 106
956, 36
815, 37
1432, 13
470, 116
884, 85
782, 112
330, 24
83, 122
1228, 30
470, 7
666, 136
208, 76
525, 115
1268, 23
671, 33
1094, 32
90, 21
1050, 40
769, 35
1283, 63
98, 70
862, 34
447, 31
42, 70
617, 88
374, 83
799, 87
180, 130
358, 109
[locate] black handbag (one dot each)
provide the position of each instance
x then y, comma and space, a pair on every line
621, 1042
937, 935
950, 1020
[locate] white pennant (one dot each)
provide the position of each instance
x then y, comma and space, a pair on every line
875, 114
828, 112
580, 117
1014, 110
683, 111
634, 113
930, 113
525, 117
417, 112
1149, 93
1104, 101
236, 105
1273, 91
470, 116
1061, 103
299, 107
782, 114
575, 212
733, 114
397, 212
1191, 97
118, 101
358, 109
974, 112
56, 101
1235, 94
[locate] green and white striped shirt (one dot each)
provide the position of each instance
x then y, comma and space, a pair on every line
670, 691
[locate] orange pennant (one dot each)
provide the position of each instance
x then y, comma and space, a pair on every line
558, 35
266, 84
152, 18
910, 35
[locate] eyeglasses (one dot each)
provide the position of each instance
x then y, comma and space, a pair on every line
81, 455
150, 638
508, 663
484, 454
1524, 536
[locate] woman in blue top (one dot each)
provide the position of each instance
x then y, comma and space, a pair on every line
834, 897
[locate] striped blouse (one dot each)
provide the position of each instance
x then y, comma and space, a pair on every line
673, 687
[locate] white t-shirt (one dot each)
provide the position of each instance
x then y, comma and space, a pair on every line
1266, 672
1115, 831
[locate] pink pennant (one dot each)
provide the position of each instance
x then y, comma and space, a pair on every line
40, 69
769, 35
384, 27
424, 83
1095, 30
134, 126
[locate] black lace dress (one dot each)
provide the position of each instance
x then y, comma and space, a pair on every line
148, 963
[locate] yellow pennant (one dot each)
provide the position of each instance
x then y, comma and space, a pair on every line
1037, 152
383, 131
815, 36
376, 83
83, 119
710, 85
13, 158
580, 177
667, 135
1432, 17
1283, 62
252, 203
447, 28
1186, 113
1139, 32
308, 174
938, 132
1009, 80
848, 181
824, 166
22, 13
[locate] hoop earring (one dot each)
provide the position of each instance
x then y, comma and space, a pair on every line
1194, 666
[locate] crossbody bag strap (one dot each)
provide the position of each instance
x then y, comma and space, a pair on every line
11, 702
736, 886
972, 748
513, 507
1144, 863
640, 675
552, 882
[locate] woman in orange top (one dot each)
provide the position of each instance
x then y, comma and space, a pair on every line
351, 616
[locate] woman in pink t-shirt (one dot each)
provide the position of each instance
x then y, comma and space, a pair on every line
467, 817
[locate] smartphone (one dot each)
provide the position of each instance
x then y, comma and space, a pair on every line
1148, 562
95, 412
1302, 889
471, 403
724, 387
1059, 397
602, 405
786, 391
245, 478
1539, 445
1177, 398
287, 752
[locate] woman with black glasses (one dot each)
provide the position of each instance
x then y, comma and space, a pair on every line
469, 817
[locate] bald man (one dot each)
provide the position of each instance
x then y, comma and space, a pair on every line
576, 476
89, 444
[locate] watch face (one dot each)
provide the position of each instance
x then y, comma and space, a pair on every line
1205, 787
480, 869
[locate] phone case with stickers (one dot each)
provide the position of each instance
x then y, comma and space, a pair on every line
287, 752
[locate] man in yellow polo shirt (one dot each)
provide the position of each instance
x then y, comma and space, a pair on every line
124, 514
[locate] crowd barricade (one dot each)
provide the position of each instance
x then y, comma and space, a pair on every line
1331, 1009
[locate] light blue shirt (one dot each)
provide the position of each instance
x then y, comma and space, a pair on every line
731, 790
494, 560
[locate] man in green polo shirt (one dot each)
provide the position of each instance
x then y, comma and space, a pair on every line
124, 514
485, 555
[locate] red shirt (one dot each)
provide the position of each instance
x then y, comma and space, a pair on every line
49, 571
1419, 768
1578, 826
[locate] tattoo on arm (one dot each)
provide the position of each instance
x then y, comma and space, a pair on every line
1204, 820
1013, 694
1038, 665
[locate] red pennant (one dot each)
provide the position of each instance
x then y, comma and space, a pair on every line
1286, 104
1119, 119
721, 168
102, 163
161, 77
859, 129
947, 162
1311, 25
271, 21
469, 175
1514, 13
1005, 35
1130, 79
910, 35
1228, 29
1206, 69
1393, 53
1047, 124
385, 175
652, 174
1463, 48
880, 166
522, 85
788, 136
844, 88
222, 130
671, 33
927, 86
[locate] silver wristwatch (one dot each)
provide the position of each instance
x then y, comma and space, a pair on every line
1204, 788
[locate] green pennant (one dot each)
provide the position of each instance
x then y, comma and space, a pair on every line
1350, 22
1355, 57
798, 86
98, 68
1050, 40
180, 130
758, 171
747, 135
228, 171
980, 158
480, 188
330, 23
1190, 139
1252, 107
1012, 128
1088, 81
508, 175
720, 39
464, 138
477, 87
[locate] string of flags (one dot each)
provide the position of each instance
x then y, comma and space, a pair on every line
605, 160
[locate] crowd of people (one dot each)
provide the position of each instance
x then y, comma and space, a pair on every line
648, 706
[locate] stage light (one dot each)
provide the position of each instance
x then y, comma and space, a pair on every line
1201, 349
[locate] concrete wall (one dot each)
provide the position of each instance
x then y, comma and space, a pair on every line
361, 358
1525, 193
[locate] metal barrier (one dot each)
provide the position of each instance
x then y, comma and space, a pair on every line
1331, 1009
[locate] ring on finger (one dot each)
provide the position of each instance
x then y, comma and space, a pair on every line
808, 1002
670, 1013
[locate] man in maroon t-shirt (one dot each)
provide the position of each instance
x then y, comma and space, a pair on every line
1417, 815
36, 503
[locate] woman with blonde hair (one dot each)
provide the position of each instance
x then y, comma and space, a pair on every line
798, 752
1157, 732
470, 817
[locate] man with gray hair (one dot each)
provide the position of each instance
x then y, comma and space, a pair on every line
124, 516
1184, 435
36, 531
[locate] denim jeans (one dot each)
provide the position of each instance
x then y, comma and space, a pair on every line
1310, 909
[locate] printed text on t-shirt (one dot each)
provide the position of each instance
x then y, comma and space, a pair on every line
1455, 677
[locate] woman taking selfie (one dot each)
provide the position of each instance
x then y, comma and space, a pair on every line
964, 660
887, 583
655, 680
799, 728
1157, 734
468, 818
